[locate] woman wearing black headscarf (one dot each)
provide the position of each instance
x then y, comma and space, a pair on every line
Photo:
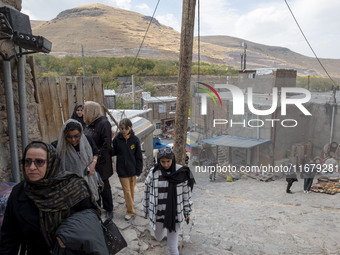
78, 114
39, 203
167, 197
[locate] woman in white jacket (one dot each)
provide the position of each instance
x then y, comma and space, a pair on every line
167, 197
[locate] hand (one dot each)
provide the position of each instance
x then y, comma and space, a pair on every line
92, 168
187, 219
62, 245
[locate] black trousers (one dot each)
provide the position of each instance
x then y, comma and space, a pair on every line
290, 183
106, 196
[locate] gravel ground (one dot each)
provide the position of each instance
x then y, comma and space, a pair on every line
242, 217
253, 217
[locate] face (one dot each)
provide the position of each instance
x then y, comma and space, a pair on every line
73, 137
79, 112
125, 130
35, 164
166, 163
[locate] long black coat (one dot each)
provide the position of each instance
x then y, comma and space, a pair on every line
21, 224
100, 131
129, 155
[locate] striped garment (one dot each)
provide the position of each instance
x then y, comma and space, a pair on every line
155, 195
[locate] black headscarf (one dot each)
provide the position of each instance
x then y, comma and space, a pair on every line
174, 177
75, 116
55, 194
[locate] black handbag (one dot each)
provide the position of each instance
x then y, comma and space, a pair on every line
113, 238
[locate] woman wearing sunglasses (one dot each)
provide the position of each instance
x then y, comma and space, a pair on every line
167, 198
39, 203
78, 153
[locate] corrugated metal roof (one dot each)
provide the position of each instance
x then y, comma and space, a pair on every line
121, 114
142, 127
236, 141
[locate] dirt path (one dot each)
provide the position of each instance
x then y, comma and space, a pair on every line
253, 217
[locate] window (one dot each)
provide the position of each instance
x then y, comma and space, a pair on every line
251, 76
158, 125
162, 108
173, 107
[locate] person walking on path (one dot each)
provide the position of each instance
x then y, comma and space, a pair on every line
38, 204
78, 114
167, 198
129, 164
290, 178
78, 153
99, 128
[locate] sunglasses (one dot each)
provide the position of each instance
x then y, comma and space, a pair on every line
37, 162
164, 151
70, 137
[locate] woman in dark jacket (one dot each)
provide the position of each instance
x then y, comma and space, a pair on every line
38, 204
99, 128
78, 114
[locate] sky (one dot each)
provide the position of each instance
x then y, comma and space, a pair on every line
266, 22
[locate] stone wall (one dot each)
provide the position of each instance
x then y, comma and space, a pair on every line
8, 49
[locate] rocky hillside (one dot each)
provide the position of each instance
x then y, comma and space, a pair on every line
109, 31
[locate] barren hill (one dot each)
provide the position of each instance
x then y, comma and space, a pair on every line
109, 31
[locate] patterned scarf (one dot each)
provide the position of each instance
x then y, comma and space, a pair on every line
174, 177
55, 194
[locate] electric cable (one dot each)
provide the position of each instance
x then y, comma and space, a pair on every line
297, 23
134, 61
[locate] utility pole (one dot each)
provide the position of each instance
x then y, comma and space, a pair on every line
184, 78
244, 56
133, 92
82, 58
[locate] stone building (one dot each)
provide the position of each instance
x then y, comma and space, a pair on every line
9, 105
163, 111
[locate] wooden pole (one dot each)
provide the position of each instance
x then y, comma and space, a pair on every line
110, 115
184, 77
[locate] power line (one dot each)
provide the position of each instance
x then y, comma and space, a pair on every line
297, 23
134, 61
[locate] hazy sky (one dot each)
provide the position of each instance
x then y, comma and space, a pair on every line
261, 21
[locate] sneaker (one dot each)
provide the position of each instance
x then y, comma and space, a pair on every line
305, 191
289, 192
309, 191
128, 217
109, 215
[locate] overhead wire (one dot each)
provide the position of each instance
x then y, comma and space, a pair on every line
146, 32
310, 46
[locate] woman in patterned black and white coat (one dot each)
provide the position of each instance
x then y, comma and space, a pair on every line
167, 198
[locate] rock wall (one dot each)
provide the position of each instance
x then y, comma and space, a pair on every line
8, 49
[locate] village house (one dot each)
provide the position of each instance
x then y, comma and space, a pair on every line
163, 112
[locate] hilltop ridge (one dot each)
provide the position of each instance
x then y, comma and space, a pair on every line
108, 31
